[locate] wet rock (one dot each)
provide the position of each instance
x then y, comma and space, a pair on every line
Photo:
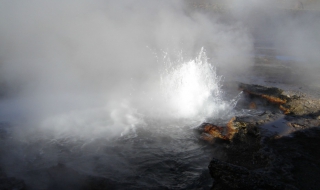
264, 162
210, 131
236, 126
301, 151
236, 177
261, 90
303, 106
293, 104
252, 105
269, 150
213, 131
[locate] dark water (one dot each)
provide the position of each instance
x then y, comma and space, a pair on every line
156, 156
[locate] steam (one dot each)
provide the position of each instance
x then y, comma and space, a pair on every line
76, 64
291, 26
99, 60
99, 69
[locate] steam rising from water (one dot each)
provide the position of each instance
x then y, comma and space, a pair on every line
65, 58
185, 90
81, 71
104, 141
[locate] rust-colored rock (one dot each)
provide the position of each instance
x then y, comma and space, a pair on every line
273, 99
284, 110
303, 106
231, 129
252, 105
212, 131
294, 104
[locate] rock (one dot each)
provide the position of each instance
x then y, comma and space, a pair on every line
256, 159
210, 131
252, 105
260, 162
237, 177
289, 104
237, 125
303, 106
261, 90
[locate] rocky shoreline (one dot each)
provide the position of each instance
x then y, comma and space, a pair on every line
276, 148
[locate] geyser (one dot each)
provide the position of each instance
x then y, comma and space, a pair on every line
86, 92
185, 91
193, 88
153, 124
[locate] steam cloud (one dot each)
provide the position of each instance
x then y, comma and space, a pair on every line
292, 26
94, 68
58, 57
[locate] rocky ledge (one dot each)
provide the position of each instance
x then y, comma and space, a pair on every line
275, 147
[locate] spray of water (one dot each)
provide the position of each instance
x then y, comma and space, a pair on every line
193, 88
188, 91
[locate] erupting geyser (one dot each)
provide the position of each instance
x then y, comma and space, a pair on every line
185, 91
123, 139
193, 88
86, 95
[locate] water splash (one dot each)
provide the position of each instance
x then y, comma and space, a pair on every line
193, 89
